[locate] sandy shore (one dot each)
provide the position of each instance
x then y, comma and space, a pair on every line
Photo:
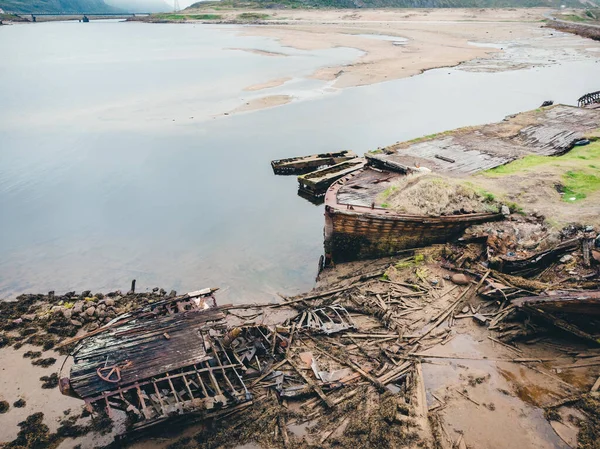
263, 102
269, 84
433, 38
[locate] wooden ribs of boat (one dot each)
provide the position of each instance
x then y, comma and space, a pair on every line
305, 164
317, 182
159, 364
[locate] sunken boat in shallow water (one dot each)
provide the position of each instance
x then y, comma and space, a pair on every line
356, 229
305, 164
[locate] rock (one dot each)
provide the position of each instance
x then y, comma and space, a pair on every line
101, 313
99, 295
90, 311
596, 255
155, 289
163, 292
86, 293
566, 258
28, 317
109, 302
76, 323
547, 103
172, 294
67, 313
505, 210
78, 307
459, 279
93, 327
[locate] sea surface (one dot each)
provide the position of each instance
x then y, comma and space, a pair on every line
120, 160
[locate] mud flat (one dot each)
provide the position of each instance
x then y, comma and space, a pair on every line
399, 43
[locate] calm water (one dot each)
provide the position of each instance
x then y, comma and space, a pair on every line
116, 161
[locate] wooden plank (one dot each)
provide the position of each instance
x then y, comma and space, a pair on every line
317, 389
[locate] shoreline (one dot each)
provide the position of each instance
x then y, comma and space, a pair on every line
400, 43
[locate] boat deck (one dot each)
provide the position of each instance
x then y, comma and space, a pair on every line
142, 350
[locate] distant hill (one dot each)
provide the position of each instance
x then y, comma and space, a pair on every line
397, 3
141, 5
57, 6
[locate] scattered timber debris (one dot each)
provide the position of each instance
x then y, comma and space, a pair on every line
344, 362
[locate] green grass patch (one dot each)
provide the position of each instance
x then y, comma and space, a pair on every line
387, 192
252, 16
178, 17
410, 262
579, 184
530, 163
574, 18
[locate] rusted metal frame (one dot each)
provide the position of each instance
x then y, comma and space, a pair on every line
177, 398
108, 407
201, 382
159, 396
142, 402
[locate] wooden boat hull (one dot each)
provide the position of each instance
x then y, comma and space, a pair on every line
583, 303
359, 232
306, 164
317, 182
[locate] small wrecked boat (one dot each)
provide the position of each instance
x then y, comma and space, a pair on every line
168, 358
305, 164
317, 182
356, 229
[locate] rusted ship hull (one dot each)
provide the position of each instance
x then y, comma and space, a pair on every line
357, 232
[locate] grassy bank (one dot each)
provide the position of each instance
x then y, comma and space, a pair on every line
578, 170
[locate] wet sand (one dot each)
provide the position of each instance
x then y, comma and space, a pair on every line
435, 38
263, 102
273, 83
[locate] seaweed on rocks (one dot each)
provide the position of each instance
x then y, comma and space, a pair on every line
4, 406
50, 381
101, 423
32, 355
34, 434
20, 403
589, 430
44, 363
